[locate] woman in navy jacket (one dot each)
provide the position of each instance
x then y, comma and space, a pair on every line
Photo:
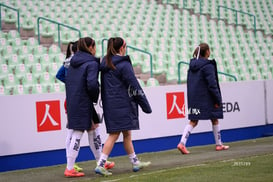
94, 133
82, 90
204, 96
121, 94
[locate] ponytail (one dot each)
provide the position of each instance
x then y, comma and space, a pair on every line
114, 45
85, 43
69, 50
201, 50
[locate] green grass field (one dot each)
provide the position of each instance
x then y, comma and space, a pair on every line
249, 160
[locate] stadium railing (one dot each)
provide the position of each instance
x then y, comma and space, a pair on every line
13, 9
59, 25
236, 15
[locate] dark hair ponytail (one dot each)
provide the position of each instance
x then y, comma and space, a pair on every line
201, 50
113, 47
72, 48
69, 50
85, 43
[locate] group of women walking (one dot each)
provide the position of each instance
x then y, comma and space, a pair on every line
80, 73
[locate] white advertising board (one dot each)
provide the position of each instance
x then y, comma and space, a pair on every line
269, 101
27, 126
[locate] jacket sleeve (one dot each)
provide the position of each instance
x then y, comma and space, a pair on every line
134, 88
210, 77
61, 74
92, 81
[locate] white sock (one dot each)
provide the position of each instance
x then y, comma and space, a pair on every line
95, 143
217, 134
68, 140
74, 149
133, 158
186, 134
102, 160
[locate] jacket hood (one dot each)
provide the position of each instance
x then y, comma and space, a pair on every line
196, 64
80, 58
116, 59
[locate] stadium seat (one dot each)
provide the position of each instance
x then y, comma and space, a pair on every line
13, 34
54, 49
151, 82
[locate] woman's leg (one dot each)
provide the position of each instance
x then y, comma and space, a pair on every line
217, 135
107, 148
129, 148
186, 133
68, 140
72, 154
216, 131
95, 142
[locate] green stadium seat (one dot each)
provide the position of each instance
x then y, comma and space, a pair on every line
4, 69
15, 42
32, 41
30, 79
13, 34
151, 82
39, 49
28, 24
8, 50
58, 87
54, 49
22, 50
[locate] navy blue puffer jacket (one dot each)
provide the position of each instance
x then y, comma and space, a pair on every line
121, 94
82, 90
203, 90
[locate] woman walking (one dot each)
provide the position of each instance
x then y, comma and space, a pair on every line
204, 96
121, 94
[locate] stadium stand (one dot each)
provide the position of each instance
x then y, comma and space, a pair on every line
169, 30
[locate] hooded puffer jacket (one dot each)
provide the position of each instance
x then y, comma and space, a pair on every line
82, 90
121, 94
203, 90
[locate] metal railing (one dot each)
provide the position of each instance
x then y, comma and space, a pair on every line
11, 8
219, 72
59, 24
136, 49
185, 4
236, 15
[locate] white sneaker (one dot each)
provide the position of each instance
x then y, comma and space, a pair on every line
140, 165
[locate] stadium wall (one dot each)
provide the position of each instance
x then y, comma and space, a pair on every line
33, 127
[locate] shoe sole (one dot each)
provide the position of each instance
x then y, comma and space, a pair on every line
100, 173
182, 151
222, 149
137, 169
68, 176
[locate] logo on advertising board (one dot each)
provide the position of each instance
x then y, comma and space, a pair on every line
48, 115
175, 105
